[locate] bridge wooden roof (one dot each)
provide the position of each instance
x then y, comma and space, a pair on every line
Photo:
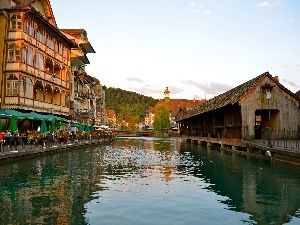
228, 98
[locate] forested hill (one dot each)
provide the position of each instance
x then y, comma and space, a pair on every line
129, 106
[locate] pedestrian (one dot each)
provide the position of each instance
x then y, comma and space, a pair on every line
38, 129
1, 137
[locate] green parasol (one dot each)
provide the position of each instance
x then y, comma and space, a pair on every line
13, 127
52, 126
91, 128
80, 128
87, 128
44, 127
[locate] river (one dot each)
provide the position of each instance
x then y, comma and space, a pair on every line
148, 181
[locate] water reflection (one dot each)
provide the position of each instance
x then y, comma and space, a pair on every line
134, 179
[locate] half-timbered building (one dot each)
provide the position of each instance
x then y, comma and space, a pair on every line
35, 58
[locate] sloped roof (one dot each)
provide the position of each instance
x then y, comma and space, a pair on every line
81, 39
46, 6
230, 97
76, 32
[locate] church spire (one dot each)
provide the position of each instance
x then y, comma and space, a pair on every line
167, 97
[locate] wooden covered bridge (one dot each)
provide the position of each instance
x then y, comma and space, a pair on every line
259, 109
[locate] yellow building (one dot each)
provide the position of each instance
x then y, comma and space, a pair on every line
35, 58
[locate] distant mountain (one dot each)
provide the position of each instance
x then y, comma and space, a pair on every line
128, 106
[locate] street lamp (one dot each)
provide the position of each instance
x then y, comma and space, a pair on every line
269, 96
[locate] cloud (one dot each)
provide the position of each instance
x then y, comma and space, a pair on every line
290, 83
269, 4
211, 88
298, 65
146, 89
135, 79
207, 12
192, 4
195, 11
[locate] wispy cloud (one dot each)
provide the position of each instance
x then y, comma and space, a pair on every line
269, 4
135, 79
290, 83
211, 88
196, 8
207, 12
147, 90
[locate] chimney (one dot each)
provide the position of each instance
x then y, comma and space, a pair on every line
276, 78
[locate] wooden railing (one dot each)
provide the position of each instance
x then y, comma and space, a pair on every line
34, 104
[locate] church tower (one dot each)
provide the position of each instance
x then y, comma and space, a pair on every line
167, 97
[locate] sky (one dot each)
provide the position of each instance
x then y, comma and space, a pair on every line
197, 48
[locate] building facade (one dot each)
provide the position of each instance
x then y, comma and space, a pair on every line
35, 59
43, 67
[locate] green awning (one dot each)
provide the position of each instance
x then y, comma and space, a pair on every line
4, 114
34, 116
17, 114
56, 118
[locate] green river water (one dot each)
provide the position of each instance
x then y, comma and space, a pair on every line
148, 181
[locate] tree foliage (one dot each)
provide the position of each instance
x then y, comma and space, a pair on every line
128, 106
161, 118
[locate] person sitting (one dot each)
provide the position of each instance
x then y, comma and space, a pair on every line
1, 137
6, 137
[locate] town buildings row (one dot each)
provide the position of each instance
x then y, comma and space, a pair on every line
43, 67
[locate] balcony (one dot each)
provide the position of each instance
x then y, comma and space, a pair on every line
31, 104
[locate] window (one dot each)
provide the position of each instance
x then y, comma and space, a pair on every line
60, 48
63, 99
56, 47
40, 35
12, 85
31, 29
79, 86
67, 100
30, 56
50, 42
13, 53
39, 61
25, 25
24, 55
64, 52
15, 22
29, 88
21, 88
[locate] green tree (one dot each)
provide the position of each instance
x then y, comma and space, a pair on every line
128, 106
161, 118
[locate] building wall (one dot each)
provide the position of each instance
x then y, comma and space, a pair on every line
3, 27
59, 103
284, 110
